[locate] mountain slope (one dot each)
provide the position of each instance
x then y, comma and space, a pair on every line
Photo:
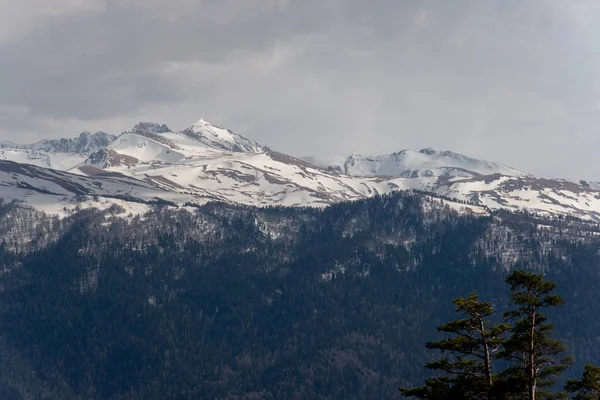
222, 139
205, 162
210, 162
56, 192
413, 164
484, 183
61, 154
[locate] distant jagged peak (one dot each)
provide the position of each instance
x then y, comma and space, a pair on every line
84, 144
429, 151
222, 139
150, 127
99, 136
437, 153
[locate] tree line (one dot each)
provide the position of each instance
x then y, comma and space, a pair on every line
477, 347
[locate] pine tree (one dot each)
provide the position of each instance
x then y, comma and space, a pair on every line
468, 372
537, 359
588, 388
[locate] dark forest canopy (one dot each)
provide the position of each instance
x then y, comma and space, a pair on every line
241, 303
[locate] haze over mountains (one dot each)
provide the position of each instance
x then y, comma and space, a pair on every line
150, 163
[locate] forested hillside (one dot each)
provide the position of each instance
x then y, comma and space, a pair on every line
231, 302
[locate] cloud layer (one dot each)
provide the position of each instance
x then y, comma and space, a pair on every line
512, 81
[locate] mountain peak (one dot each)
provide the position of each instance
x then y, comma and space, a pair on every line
203, 124
427, 162
222, 139
202, 121
86, 143
429, 151
151, 127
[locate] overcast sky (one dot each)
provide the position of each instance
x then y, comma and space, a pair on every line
515, 81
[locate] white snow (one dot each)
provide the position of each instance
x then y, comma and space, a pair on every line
205, 162
62, 154
220, 138
426, 162
145, 149
60, 161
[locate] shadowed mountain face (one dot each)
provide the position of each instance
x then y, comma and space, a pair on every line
151, 127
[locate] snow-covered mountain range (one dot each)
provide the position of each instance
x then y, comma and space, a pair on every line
208, 162
414, 164
62, 154
152, 164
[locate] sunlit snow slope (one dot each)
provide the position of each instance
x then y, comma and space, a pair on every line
210, 162
489, 184
412, 164
152, 164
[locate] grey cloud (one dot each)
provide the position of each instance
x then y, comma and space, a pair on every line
515, 82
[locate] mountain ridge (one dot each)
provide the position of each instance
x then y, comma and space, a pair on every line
402, 163
62, 154
84, 143
205, 162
